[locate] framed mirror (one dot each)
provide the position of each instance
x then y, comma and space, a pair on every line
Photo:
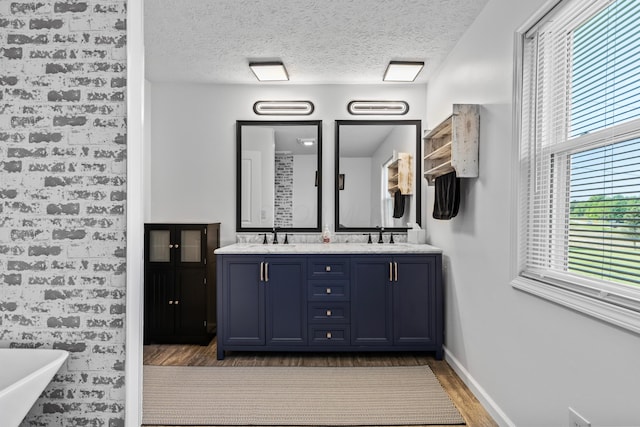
378, 182
278, 175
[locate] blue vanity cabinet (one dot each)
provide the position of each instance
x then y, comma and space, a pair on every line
396, 301
243, 301
329, 293
286, 301
335, 302
417, 301
262, 302
371, 301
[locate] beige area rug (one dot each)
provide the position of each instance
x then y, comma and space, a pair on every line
327, 396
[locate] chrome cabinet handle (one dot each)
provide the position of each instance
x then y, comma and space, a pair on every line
396, 265
390, 272
327, 268
328, 335
176, 302
262, 271
266, 271
328, 290
328, 313
176, 246
170, 246
170, 302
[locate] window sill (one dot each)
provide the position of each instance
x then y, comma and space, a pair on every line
603, 310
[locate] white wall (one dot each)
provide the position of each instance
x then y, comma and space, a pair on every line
305, 202
258, 150
146, 173
533, 358
356, 199
193, 142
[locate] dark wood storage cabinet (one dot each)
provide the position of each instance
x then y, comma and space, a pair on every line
330, 303
180, 283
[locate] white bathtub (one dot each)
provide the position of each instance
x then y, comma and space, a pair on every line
24, 374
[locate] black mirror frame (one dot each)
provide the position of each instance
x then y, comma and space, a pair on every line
418, 172
239, 125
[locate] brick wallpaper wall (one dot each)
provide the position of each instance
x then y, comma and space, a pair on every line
62, 199
283, 192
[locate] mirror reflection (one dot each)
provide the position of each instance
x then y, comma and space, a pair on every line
376, 180
278, 175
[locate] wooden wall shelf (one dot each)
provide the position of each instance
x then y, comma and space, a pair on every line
453, 144
400, 173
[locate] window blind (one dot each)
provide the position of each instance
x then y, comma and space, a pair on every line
604, 219
580, 145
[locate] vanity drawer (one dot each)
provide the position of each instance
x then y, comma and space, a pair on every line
328, 290
325, 268
329, 335
328, 312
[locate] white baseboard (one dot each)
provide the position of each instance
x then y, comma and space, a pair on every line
483, 397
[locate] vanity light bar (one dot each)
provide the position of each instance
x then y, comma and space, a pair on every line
378, 108
283, 108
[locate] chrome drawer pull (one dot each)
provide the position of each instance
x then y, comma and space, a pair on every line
328, 335
327, 268
328, 290
328, 313
170, 302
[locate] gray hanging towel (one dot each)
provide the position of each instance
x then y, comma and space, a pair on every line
398, 204
447, 196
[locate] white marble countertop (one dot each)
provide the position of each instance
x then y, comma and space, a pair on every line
328, 248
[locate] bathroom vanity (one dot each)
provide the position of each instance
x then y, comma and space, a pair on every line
330, 297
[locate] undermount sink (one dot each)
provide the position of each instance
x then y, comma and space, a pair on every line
24, 375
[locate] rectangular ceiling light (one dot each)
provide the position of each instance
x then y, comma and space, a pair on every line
402, 71
269, 71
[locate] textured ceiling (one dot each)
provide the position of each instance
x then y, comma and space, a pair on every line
319, 41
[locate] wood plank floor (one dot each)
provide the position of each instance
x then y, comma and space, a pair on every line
194, 355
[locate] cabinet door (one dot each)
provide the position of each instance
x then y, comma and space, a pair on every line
190, 303
243, 299
371, 301
190, 245
159, 297
414, 314
158, 245
286, 301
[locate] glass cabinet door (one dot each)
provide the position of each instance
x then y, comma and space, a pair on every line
190, 246
160, 246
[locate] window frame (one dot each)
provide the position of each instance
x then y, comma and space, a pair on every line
610, 302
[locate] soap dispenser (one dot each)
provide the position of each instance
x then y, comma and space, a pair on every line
326, 234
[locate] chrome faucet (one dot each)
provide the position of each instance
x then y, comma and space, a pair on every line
380, 230
275, 236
